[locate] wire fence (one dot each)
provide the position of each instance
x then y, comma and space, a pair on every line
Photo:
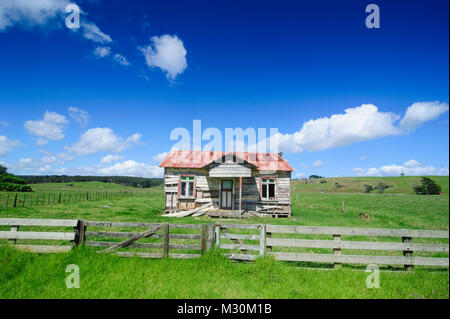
33, 199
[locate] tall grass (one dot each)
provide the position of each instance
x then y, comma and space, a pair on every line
27, 275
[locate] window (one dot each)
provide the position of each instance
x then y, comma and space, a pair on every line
187, 185
268, 188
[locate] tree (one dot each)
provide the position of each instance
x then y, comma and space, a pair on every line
427, 187
12, 183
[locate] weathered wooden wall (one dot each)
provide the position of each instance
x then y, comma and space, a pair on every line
208, 190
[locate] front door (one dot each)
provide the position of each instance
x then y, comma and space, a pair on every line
226, 194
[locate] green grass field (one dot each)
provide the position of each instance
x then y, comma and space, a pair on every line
26, 275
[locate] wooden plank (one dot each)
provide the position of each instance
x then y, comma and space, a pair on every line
36, 235
358, 231
204, 235
240, 247
210, 242
165, 240
361, 259
246, 257
38, 222
184, 256
135, 254
156, 255
316, 243
44, 248
239, 236
133, 239
130, 235
245, 226
131, 224
144, 245
262, 240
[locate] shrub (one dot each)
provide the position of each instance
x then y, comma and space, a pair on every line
368, 188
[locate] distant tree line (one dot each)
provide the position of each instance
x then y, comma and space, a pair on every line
12, 183
140, 182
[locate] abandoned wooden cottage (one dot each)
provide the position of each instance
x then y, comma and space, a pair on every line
236, 182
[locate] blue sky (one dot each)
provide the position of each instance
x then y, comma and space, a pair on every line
134, 71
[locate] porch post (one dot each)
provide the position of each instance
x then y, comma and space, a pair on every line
240, 194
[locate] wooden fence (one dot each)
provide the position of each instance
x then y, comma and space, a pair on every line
244, 242
160, 244
13, 200
15, 233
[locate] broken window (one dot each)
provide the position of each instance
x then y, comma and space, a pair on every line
187, 186
268, 190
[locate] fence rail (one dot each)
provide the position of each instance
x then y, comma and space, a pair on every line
242, 242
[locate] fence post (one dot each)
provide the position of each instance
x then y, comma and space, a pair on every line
31, 200
262, 239
166, 240
408, 253
337, 251
80, 231
203, 238
342, 207
14, 229
7, 200
59, 198
217, 235
210, 236
15, 200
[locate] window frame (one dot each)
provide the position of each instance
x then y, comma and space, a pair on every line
194, 182
275, 183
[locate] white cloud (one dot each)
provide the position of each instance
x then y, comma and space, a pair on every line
39, 13
160, 157
93, 33
30, 13
421, 112
166, 52
41, 141
79, 116
361, 123
410, 168
121, 60
50, 127
364, 157
317, 163
7, 145
111, 158
132, 168
102, 139
102, 52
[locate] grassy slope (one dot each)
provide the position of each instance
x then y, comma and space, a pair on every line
33, 276
397, 185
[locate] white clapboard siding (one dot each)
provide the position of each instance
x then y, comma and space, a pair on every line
230, 170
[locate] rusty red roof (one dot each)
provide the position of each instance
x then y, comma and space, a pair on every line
199, 159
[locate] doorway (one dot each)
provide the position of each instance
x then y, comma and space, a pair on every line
226, 194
